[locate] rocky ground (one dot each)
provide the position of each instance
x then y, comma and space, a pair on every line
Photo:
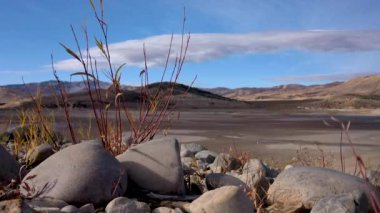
164, 175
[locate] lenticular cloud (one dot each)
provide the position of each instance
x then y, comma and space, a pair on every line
205, 47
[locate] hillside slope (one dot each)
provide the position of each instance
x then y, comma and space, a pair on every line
368, 86
361, 92
183, 97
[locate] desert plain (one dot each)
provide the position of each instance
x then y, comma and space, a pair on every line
277, 136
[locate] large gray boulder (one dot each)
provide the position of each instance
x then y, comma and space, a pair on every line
123, 204
79, 174
223, 200
342, 203
9, 167
155, 166
305, 186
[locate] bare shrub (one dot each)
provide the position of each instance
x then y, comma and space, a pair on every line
154, 105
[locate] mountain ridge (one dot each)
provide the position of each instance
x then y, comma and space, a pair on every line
359, 92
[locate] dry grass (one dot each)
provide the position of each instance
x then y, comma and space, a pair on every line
34, 127
154, 106
360, 165
85, 131
317, 157
242, 156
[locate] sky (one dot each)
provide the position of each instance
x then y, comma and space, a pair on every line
233, 43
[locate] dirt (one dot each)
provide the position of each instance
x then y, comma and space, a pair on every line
277, 137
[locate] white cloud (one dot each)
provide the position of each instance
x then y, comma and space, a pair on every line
212, 46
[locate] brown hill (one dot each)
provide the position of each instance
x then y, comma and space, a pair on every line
361, 92
11, 96
282, 92
361, 86
366, 85
183, 97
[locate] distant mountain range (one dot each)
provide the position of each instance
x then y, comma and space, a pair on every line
183, 96
363, 86
361, 92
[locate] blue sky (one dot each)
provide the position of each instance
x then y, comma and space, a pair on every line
234, 43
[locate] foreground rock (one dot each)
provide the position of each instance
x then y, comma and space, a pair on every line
166, 210
217, 180
155, 166
255, 166
88, 208
224, 162
123, 204
190, 149
223, 200
9, 167
348, 203
46, 203
38, 154
206, 156
69, 209
79, 174
305, 186
253, 174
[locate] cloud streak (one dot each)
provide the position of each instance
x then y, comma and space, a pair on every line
204, 47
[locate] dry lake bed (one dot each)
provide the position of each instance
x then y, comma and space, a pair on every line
273, 136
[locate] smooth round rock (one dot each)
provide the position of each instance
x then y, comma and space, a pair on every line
217, 180
348, 203
79, 174
123, 204
69, 209
9, 167
223, 200
190, 149
224, 162
305, 186
88, 208
155, 166
166, 210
